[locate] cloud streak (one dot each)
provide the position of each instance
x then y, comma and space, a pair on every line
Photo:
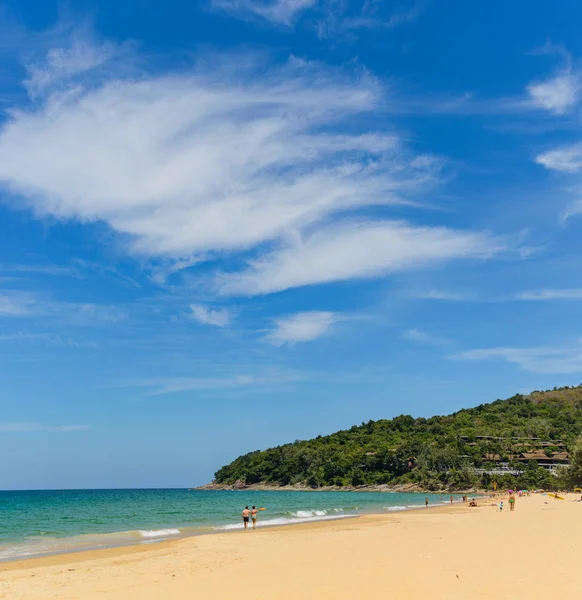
32, 427
551, 294
23, 304
356, 251
280, 12
242, 381
542, 359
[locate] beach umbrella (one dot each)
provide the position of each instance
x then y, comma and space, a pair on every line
510, 491
578, 489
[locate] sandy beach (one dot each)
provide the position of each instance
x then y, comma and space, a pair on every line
442, 553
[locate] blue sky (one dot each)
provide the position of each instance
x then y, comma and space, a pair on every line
231, 224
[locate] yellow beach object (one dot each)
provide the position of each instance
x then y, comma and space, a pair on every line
555, 496
578, 489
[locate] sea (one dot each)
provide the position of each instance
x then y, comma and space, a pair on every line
37, 523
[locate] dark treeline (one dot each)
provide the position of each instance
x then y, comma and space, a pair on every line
435, 453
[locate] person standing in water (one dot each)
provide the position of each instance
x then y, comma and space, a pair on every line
426, 502
254, 512
452, 498
245, 517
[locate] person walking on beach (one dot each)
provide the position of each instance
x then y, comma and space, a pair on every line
254, 512
245, 517
426, 502
501, 506
511, 503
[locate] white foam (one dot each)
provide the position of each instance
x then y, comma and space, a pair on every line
305, 514
395, 508
155, 533
285, 521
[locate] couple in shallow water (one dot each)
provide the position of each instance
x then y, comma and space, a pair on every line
250, 513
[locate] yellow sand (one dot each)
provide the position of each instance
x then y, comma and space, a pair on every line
448, 553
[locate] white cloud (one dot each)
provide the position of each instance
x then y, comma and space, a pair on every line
558, 94
552, 294
567, 159
16, 304
208, 316
422, 337
302, 327
356, 250
26, 427
284, 12
193, 164
546, 360
231, 158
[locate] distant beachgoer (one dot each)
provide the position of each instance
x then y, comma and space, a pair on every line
426, 502
452, 498
245, 516
254, 512
501, 506
511, 503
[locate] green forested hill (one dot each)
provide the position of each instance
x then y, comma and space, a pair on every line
440, 452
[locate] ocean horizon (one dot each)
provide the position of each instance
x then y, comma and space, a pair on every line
44, 522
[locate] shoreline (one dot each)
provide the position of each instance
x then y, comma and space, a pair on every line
196, 532
401, 488
72, 556
441, 553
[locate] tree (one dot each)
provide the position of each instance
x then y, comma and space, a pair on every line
574, 471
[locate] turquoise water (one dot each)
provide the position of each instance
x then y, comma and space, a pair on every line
46, 522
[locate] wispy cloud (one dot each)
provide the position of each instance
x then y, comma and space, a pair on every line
29, 427
422, 337
23, 304
357, 250
546, 360
444, 295
50, 339
216, 173
567, 159
337, 23
234, 159
241, 381
281, 12
61, 55
209, 316
56, 270
558, 94
16, 304
302, 327
407, 16
551, 294
561, 92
